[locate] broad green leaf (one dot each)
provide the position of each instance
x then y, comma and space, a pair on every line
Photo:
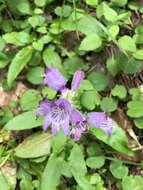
113, 66
118, 140
139, 122
35, 75
20, 60
63, 11
30, 100
138, 54
52, 173
36, 145
92, 3
127, 43
3, 60
26, 120
90, 99
78, 167
95, 162
58, 142
40, 3
49, 93
119, 91
135, 109
108, 104
119, 3
19, 7
90, 42
132, 182
17, 38
113, 30
38, 45
36, 20
109, 13
118, 170
99, 80
4, 185
51, 58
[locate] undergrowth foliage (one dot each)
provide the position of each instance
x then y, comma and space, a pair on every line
75, 67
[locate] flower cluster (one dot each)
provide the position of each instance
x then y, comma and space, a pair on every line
61, 114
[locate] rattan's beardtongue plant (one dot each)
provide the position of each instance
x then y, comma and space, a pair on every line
62, 114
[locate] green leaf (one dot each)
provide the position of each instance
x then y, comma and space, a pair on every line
132, 182
90, 99
51, 58
17, 38
58, 142
52, 173
18, 63
90, 42
113, 30
139, 122
30, 100
119, 3
118, 140
135, 109
35, 75
3, 60
113, 66
109, 13
40, 3
99, 80
127, 43
38, 45
78, 167
36, 145
95, 162
119, 91
63, 11
138, 54
108, 104
4, 185
36, 20
26, 120
92, 3
118, 170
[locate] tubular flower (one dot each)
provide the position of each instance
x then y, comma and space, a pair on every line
100, 120
54, 79
77, 78
57, 114
78, 123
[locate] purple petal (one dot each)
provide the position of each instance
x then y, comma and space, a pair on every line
63, 104
77, 78
101, 120
77, 134
65, 127
76, 117
54, 79
55, 129
46, 123
44, 108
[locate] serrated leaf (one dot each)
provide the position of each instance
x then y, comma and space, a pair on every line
21, 59
36, 145
26, 120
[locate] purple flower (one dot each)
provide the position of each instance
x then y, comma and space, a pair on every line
57, 114
101, 120
54, 79
79, 124
77, 78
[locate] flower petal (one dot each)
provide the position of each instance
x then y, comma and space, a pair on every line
65, 127
54, 79
46, 123
77, 78
76, 117
101, 120
44, 108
